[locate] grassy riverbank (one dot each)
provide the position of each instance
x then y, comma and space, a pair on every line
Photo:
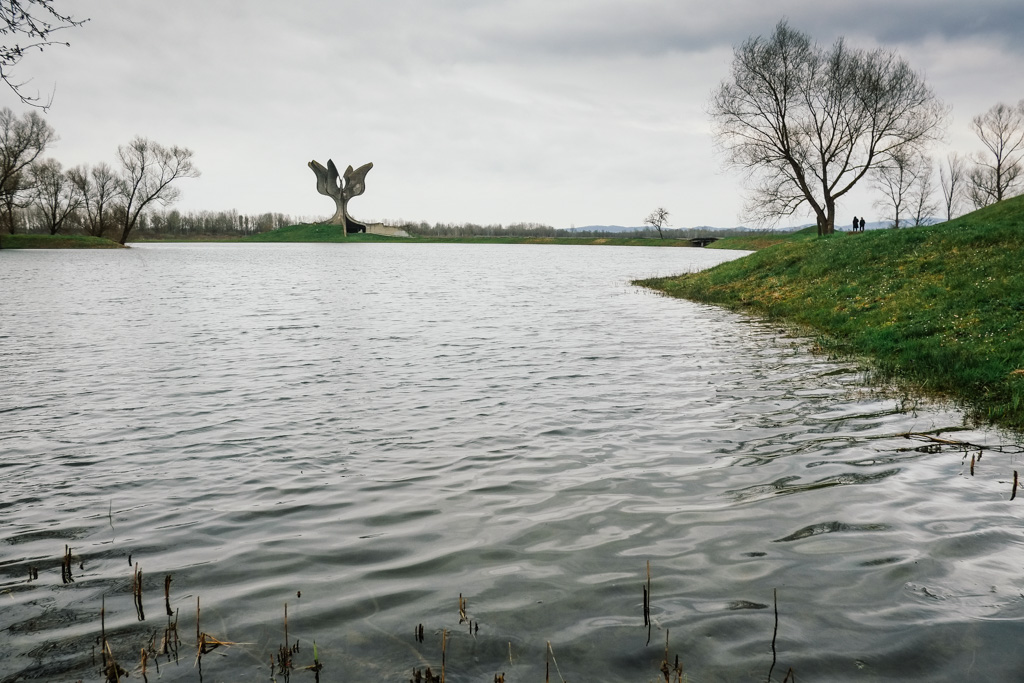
57, 242
940, 307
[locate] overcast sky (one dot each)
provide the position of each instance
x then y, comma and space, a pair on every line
562, 112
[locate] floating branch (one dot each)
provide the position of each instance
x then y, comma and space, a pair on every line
961, 445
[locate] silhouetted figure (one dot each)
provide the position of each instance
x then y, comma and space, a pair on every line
855, 224
862, 223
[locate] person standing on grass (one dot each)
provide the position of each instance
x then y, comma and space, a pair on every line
855, 224
862, 223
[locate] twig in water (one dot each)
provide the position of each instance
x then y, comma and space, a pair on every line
1014, 493
775, 595
972, 465
647, 603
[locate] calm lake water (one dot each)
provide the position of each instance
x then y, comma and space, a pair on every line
366, 431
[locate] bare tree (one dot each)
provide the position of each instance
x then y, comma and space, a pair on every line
22, 140
53, 194
28, 25
922, 206
98, 187
148, 169
952, 177
657, 220
996, 175
895, 179
807, 123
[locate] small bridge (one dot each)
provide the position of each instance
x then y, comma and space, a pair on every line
702, 241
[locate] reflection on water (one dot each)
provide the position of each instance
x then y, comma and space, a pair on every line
366, 431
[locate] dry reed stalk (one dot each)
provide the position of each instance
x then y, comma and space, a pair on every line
972, 465
462, 610
1013, 494
137, 593
65, 566
103, 630
444, 647
551, 654
112, 670
167, 595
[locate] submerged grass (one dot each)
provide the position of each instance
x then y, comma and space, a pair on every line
940, 307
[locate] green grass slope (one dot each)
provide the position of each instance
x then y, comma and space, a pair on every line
57, 242
940, 306
762, 240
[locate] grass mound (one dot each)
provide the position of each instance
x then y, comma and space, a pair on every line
317, 232
941, 306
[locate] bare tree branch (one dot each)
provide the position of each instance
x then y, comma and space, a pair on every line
28, 25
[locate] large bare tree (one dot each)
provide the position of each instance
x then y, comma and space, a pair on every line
54, 194
22, 140
807, 123
997, 174
98, 187
147, 171
27, 26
